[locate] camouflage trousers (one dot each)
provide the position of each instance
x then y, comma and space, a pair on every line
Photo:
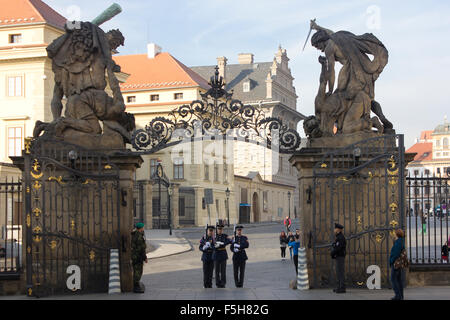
137, 272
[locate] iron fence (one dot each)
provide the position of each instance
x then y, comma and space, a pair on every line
428, 219
11, 227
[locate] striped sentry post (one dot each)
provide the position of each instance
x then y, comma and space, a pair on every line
114, 272
302, 277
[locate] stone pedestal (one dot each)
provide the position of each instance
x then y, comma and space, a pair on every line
366, 199
127, 166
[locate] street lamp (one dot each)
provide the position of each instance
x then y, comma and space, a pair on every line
227, 193
289, 201
170, 192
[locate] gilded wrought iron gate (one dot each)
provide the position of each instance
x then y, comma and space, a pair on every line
72, 201
361, 187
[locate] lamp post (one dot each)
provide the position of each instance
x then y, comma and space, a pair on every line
169, 192
289, 203
227, 193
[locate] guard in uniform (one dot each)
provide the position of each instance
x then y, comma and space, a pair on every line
238, 246
138, 256
338, 252
220, 256
207, 247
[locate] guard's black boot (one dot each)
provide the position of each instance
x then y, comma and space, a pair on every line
138, 288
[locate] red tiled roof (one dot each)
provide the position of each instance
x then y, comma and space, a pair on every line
163, 71
423, 150
28, 11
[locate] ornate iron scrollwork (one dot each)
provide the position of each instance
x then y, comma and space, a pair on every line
216, 113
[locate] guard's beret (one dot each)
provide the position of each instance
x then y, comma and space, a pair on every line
139, 225
338, 226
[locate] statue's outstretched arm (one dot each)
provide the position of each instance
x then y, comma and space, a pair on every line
315, 26
331, 73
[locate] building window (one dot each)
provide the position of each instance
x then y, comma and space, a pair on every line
178, 169
15, 86
445, 154
216, 172
438, 154
246, 86
416, 172
427, 172
217, 207
15, 38
438, 143
206, 173
178, 96
153, 165
438, 170
154, 97
265, 200
131, 99
14, 141
445, 143
225, 172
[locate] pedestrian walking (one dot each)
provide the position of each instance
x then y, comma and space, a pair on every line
295, 246
444, 252
338, 253
138, 256
220, 256
290, 239
207, 247
423, 218
283, 244
287, 224
398, 261
238, 246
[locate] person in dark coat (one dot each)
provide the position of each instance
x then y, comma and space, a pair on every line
396, 274
338, 253
207, 247
238, 246
220, 256
283, 245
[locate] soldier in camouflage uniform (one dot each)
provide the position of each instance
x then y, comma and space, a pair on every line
138, 256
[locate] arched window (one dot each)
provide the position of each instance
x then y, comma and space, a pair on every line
445, 143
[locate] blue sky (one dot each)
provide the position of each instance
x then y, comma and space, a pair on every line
412, 88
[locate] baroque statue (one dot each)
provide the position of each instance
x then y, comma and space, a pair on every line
83, 67
347, 109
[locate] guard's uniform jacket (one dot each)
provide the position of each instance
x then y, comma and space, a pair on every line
339, 246
138, 254
220, 253
220, 257
207, 258
239, 259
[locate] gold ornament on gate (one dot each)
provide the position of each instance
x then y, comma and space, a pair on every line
92, 255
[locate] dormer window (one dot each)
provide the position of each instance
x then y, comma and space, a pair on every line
246, 86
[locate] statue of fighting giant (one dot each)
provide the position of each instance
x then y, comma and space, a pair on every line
349, 106
83, 66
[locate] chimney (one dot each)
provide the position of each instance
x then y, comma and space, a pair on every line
152, 50
222, 64
245, 58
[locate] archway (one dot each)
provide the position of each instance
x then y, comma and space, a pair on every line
255, 207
